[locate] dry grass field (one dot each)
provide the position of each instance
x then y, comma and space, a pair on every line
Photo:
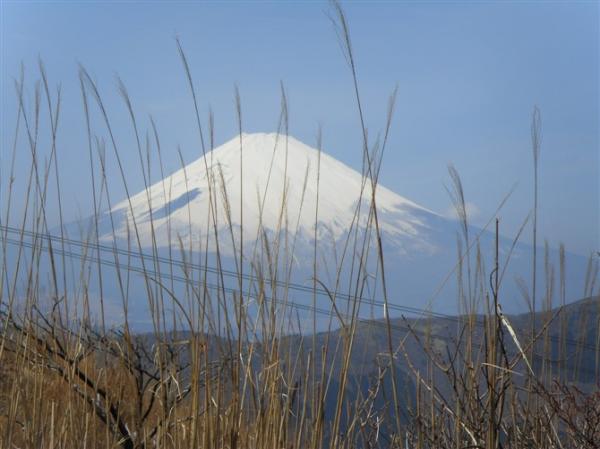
213, 374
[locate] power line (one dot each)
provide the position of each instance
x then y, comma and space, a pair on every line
211, 286
185, 265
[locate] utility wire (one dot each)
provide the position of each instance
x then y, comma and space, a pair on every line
211, 286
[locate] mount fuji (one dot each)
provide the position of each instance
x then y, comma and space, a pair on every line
258, 192
268, 182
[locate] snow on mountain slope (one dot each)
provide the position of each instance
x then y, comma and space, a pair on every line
252, 182
419, 246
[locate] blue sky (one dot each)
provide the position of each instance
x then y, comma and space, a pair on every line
468, 76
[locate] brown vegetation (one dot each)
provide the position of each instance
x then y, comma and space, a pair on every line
66, 381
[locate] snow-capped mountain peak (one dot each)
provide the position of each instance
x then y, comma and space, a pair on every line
264, 182
261, 186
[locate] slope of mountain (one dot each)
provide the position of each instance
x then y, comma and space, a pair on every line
570, 348
571, 351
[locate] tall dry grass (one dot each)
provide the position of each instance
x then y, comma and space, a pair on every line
213, 372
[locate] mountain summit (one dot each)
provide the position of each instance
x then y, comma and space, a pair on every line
266, 182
